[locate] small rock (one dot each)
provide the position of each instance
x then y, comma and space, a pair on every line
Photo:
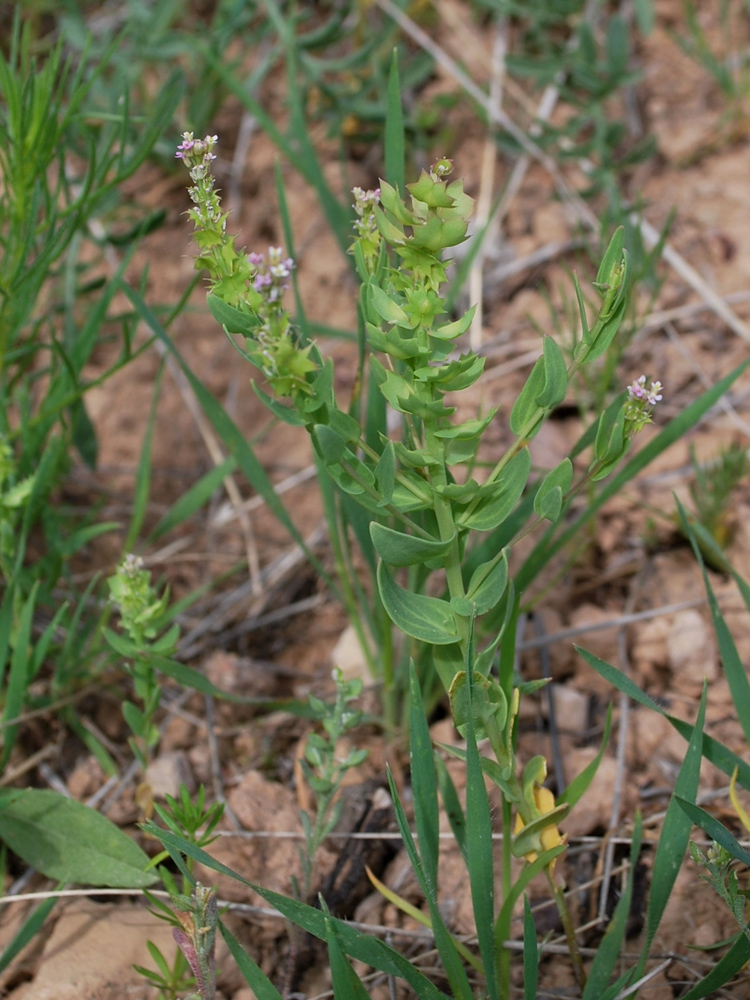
91, 952
168, 772
571, 708
691, 649
594, 810
85, 778
348, 656
179, 734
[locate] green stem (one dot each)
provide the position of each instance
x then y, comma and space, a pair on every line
375, 495
570, 932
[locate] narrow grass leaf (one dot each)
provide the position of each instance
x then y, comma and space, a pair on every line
530, 953
394, 129
255, 978
608, 950
675, 835
715, 830
71, 842
479, 840
143, 474
346, 983
452, 805
19, 675
724, 970
528, 873
579, 785
713, 751
28, 930
733, 667
451, 960
196, 497
423, 782
229, 433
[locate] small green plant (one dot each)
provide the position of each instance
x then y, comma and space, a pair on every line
192, 819
142, 617
713, 487
324, 770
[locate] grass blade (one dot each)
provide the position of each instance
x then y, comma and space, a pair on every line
255, 978
196, 497
674, 835
423, 783
608, 951
479, 842
714, 751
723, 971
143, 475
530, 953
715, 830
30, 927
730, 658
394, 130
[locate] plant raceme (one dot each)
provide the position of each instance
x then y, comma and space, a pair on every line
422, 503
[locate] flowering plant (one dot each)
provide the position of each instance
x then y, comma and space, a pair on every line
425, 518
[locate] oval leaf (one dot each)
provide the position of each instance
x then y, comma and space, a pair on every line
491, 512
70, 842
399, 549
419, 616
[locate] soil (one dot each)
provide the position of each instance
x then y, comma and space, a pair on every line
281, 639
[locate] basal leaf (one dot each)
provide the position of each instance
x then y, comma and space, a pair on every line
71, 842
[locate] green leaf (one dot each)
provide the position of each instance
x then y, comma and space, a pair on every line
196, 497
70, 842
424, 783
530, 953
713, 751
331, 446
394, 128
446, 947
451, 331
555, 376
489, 513
608, 951
724, 970
487, 584
385, 307
579, 785
730, 657
26, 933
398, 549
255, 978
385, 473
452, 805
346, 983
675, 835
549, 496
479, 847
526, 415
19, 676
715, 830
420, 616
234, 320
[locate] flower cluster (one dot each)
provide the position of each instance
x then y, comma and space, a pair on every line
366, 223
196, 938
272, 273
197, 155
131, 591
640, 404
